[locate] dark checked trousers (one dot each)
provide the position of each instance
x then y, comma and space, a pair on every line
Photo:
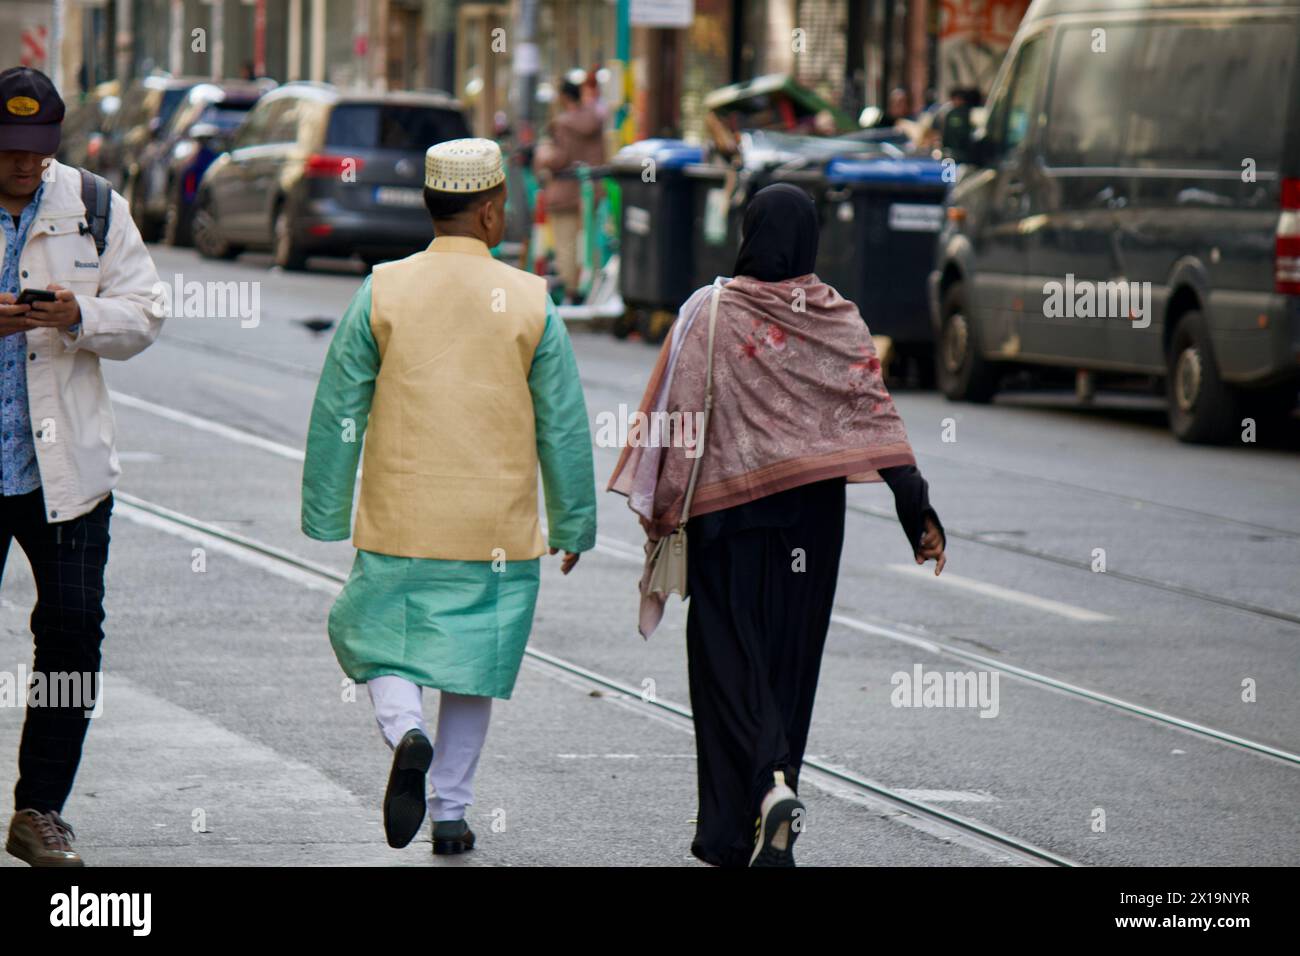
67, 560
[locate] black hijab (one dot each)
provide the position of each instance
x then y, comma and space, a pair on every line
780, 233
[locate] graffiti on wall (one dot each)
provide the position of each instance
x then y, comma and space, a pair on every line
973, 38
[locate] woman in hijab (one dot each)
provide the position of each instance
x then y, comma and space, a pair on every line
799, 409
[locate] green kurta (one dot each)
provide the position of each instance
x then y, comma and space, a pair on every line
459, 626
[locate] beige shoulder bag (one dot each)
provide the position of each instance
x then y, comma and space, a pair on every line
668, 560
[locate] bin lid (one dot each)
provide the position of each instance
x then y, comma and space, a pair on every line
667, 153
885, 171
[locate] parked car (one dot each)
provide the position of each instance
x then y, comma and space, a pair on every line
314, 171
85, 126
147, 106
1132, 205
173, 163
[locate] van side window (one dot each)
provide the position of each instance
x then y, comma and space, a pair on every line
1090, 81
1013, 117
1208, 95
1164, 94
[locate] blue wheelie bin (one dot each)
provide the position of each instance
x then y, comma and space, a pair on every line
880, 219
655, 267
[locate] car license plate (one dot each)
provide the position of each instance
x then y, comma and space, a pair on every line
399, 196
915, 217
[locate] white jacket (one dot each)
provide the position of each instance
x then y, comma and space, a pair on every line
122, 313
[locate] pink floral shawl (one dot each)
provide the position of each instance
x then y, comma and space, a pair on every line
798, 398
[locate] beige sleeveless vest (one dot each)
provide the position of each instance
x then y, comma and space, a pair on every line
450, 464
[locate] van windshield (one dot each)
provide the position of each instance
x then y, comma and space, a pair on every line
381, 126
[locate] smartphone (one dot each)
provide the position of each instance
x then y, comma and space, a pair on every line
28, 296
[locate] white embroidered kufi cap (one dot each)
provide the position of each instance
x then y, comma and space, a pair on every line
463, 166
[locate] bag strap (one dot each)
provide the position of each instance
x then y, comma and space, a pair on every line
96, 194
708, 408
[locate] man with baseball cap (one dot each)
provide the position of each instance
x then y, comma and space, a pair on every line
76, 285
459, 372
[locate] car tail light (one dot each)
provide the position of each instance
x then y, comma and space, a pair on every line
327, 165
1286, 254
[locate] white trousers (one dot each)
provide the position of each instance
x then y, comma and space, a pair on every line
462, 729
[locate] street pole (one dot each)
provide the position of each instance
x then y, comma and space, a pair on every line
295, 40
218, 37
55, 58
623, 51
122, 44
259, 38
175, 43
526, 66
318, 40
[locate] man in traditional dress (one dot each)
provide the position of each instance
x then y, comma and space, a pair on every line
458, 371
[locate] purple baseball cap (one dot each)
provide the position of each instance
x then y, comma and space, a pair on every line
31, 111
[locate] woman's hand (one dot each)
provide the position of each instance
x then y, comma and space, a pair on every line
932, 546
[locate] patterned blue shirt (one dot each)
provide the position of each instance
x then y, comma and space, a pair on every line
18, 471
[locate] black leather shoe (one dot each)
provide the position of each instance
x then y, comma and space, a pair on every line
404, 801
452, 836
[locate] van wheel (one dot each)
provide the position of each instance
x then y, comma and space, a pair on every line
963, 373
288, 254
1202, 409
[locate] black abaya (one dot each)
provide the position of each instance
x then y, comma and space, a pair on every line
762, 581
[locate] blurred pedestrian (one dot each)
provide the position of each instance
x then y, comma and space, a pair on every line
797, 407
575, 137
458, 372
77, 285
954, 122
898, 106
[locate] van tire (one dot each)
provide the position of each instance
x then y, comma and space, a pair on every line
1203, 409
964, 375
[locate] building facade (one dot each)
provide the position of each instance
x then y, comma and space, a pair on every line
502, 58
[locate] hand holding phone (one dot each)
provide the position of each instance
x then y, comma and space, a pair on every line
29, 296
55, 308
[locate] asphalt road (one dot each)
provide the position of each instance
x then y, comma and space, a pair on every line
228, 735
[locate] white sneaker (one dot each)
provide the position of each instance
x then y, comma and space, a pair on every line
780, 821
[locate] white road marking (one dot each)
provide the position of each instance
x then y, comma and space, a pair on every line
213, 544
227, 382
997, 592
208, 425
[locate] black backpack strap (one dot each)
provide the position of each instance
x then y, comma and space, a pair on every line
96, 196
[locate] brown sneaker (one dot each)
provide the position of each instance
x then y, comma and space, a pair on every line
42, 839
